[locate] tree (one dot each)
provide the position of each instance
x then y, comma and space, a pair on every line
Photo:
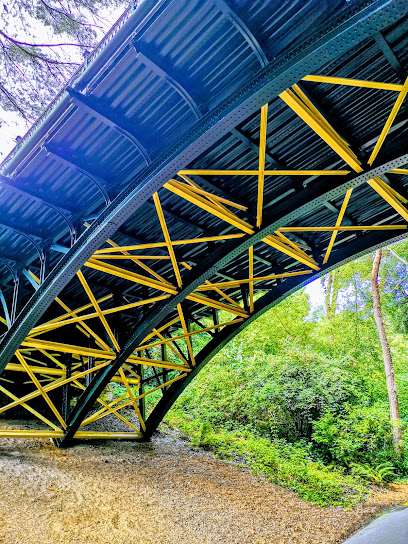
330, 286
42, 43
388, 364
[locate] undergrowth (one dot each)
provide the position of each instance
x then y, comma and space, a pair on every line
283, 463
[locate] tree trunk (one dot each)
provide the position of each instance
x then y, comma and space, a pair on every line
328, 297
388, 365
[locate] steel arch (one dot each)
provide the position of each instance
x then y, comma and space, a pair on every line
338, 181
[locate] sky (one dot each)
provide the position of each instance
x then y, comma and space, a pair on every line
13, 125
316, 294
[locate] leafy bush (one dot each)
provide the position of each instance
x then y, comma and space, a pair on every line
275, 396
361, 434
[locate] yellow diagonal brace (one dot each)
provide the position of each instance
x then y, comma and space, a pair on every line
54, 385
354, 82
290, 251
85, 329
68, 348
212, 197
205, 301
92, 298
174, 243
184, 327
132, 398
100, 415
392, 191
48, 371
192, 333
41, 390
224, 295
197, 189
235, 283
289, 242
167, 239
322, 121
160, 329
155, 362
27, 407
71, 314
376, 184
168, 342
389, 122
304, 113
338, 223
190, 194
104, 404
261, 162
221, 293
204, 204
251, 277
218, 210
134, 258
108, 407
46, 327
130, 276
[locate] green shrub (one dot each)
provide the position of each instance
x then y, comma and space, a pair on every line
378, 475
361, 434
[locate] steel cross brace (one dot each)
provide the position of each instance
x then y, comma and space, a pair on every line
360, 24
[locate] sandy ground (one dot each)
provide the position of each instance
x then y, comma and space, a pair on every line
157, 493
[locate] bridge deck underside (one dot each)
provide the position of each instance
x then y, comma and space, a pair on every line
210, 159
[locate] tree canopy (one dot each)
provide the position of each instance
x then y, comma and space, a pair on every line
42, 43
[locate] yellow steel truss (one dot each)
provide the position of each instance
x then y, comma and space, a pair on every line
42, 359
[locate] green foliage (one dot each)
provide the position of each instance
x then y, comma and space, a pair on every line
361, 434
378, 475
275, 396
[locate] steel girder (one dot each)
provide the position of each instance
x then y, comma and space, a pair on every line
270, 82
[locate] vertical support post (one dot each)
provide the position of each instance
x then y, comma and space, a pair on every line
140, 368
5, 309
215, 319
66, 389
244, 293
16, 304
45, 264
77, 232
165, 370
141, 402
90, 363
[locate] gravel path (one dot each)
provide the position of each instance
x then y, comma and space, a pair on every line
156, 493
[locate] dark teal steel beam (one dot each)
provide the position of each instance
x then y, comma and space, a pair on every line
92, 105
356, 25
145, 56
248, 34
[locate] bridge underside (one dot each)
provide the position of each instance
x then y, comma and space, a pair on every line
208, 160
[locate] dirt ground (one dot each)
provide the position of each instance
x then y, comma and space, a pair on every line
157, 493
